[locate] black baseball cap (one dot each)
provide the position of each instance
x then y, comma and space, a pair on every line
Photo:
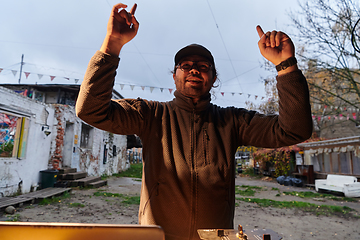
194, 49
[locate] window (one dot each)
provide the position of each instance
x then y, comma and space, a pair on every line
315, 162
13, 135
67, 98
39, 96
327, 162
345, 163
86, 136
335, 162
321, 162
356, 164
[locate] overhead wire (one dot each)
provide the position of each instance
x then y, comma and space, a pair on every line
223, 42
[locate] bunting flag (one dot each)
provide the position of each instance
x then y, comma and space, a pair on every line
132, 87
27, 74
161, 89
222, 93
170, 90
341, 117
151, 89
122, 86
143, 88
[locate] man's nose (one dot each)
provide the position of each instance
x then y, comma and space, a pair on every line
194, 68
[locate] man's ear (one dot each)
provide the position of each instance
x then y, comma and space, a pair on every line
214, 80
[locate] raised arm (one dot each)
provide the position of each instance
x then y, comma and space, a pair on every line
94, 104
122, 27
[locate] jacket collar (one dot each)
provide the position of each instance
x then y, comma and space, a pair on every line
187, 104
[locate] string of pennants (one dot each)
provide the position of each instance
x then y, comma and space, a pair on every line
40, 76
347, 113
132, 86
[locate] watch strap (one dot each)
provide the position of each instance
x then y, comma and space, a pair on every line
287, 63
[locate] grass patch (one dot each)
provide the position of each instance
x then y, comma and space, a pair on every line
126, 199
304, 206
135, 171
309, 194
131, 200
248, 191
53, 200
13, 218
79, 205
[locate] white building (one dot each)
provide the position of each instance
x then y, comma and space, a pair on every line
39, 130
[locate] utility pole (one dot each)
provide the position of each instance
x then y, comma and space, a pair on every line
21, 64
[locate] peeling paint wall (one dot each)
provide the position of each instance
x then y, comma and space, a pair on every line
96, 158
18, 175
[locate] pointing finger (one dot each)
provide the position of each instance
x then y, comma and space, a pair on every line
133, 9
259, 31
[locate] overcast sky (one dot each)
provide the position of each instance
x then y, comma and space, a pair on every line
58, 39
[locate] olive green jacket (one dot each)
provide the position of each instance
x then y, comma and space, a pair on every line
188, 178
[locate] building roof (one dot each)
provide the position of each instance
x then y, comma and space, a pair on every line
331, 142
54, 88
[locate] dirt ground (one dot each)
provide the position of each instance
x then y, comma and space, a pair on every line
84, 207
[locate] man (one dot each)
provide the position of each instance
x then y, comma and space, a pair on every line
188, 143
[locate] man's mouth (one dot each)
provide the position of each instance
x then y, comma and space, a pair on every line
194, 79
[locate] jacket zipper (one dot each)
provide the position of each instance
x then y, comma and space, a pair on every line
206, 140
193, 176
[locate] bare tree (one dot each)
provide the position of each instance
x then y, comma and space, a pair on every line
325, 30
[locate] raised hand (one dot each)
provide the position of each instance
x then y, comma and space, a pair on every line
122, 27
275, 46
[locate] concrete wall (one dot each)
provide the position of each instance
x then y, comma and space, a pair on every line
18, 175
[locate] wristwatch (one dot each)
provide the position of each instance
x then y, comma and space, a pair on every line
285, 64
